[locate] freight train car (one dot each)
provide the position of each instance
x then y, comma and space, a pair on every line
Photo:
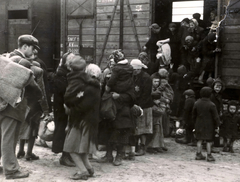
36, 17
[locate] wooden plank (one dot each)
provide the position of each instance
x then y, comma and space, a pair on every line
113, 38
231, 29
231, 46
140, 15
231, 37
231, 81
135, 8
230, 63
126, 30
127, 23
230, 72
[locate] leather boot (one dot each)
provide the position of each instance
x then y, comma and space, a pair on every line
141, 151
118, 160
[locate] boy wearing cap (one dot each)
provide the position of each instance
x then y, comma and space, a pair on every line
11, 118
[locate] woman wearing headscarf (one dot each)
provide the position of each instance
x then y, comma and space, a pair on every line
82, 99
143, 90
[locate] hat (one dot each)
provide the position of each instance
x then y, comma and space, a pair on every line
211, 37
182, 70
206, 92
189, 92
233, 103
172, 25
185, 20
163, 73
196, 15
189, 38
77, 63
137, 64
29, 40
93, 70
155, 26
210, 81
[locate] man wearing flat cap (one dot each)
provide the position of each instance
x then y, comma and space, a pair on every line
12, 117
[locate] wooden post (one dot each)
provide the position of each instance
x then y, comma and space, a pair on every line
121, 24
63, 28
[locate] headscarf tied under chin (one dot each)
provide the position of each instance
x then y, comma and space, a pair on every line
118, 55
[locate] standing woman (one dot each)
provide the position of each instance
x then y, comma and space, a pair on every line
143, 90
82, 97
60, 118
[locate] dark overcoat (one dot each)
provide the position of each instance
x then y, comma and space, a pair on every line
206, 119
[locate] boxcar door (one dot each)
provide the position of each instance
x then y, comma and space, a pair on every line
19, 22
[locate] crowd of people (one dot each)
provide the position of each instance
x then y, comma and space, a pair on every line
126, 107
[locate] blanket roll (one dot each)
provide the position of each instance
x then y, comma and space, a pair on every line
13, 79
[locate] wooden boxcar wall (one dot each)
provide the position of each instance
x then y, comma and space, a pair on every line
36, 17
96, 28
230, 43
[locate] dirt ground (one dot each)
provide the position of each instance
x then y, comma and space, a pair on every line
175, 165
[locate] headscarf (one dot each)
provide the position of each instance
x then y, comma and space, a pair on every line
137, 64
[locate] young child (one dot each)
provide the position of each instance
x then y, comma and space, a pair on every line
121, 77
229, 129
187, 115
157, 141
206, 120
166, 98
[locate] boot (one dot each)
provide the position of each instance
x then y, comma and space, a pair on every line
131, 156
225, 149
108, 158
231, 149
210, 158
199, 156
118, 160
141, 151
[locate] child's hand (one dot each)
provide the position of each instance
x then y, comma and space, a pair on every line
217, 129
115, 95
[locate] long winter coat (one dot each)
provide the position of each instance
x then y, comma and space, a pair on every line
229, 128
83, 97
143, 90
206, 119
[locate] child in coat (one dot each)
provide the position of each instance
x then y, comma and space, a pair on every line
206, 120
229, 129
159, 108
187, 115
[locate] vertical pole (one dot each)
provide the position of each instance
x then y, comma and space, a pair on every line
217, 35
63, 28
121, 24
95, 32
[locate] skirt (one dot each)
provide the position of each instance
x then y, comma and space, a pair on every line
78, 140
157, 137
144, 124
124, 136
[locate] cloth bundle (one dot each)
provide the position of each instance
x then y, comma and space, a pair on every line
13, 79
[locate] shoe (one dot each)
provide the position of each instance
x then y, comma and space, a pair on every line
118, 160
225, 149
214, 150
131, 156
91, 172
151, 151
17, 174
106, 159
141, 151
20, 154
199, 156
78, 176
159, 150
210, 158
31, 156
165, 148
192, 144
65, 161
231, 149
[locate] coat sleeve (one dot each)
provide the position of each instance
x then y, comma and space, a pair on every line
215, 115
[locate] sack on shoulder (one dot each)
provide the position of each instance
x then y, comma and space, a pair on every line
108, 108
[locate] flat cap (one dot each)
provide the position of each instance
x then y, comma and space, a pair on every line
29, 40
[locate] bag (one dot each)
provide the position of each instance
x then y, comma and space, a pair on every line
46, 130
108, 108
